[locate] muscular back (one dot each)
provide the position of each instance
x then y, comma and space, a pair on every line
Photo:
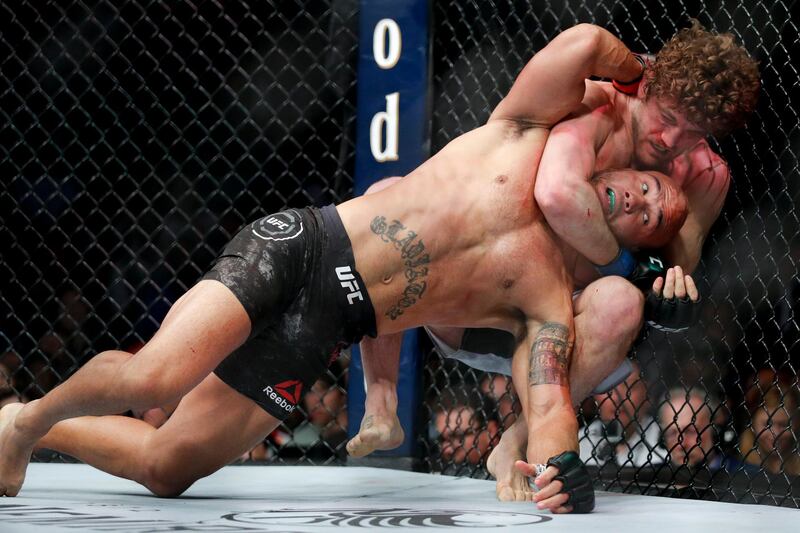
460, 241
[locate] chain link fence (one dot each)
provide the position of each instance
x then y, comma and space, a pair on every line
137, 137
708, 414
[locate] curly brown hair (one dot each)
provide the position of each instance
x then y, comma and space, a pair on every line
713, 80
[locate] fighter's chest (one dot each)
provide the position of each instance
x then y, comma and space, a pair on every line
510, 261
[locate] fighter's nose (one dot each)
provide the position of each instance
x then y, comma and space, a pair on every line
630, 202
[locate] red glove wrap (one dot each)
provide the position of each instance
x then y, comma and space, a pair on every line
631, 88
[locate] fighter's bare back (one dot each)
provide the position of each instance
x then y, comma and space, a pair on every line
469, 219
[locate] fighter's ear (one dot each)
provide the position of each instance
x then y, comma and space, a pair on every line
647, 75
641, 94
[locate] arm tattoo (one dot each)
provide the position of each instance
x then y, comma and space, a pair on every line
549, 361
414, 258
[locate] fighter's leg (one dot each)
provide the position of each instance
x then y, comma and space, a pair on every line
200, 330
511, 484
212, 426
608, 317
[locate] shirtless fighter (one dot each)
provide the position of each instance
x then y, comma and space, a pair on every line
293, 288
700, 83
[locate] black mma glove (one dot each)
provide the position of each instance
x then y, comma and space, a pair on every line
577, 483
671, 314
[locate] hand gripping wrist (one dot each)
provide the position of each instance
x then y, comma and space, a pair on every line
622, 265
631, 88
577, 483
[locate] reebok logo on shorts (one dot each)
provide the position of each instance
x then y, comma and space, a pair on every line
286, 394
278, 227
348, 281
290, 390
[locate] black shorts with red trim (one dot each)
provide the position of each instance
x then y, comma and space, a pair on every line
296, 277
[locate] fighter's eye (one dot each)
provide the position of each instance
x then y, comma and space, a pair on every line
645, 188
646, 218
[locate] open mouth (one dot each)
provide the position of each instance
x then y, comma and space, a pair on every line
661, 150
612, 200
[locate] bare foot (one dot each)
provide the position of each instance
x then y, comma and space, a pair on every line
377, 432
15, 452
512, 485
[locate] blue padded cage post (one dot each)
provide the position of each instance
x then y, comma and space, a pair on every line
392, 138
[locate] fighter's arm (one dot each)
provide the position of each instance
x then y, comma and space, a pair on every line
706, 178
552, 84
380, 358
563, 190
540, 373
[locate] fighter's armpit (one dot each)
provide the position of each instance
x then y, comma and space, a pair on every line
549, 359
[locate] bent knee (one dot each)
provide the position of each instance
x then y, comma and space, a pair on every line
166, 489
163, 473
613, 309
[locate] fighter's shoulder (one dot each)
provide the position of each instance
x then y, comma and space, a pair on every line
701, 169
598, 111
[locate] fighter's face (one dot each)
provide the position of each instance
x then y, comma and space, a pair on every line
661, 132
643, 209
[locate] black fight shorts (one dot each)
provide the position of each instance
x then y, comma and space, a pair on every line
296, 277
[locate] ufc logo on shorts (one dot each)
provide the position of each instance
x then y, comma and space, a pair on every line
349, 282
277, 223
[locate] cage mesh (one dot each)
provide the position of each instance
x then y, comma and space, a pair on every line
137, 137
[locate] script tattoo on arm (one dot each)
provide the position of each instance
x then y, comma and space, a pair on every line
549, 361
414, 256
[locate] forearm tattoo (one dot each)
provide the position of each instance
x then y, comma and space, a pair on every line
414, 257
549, 361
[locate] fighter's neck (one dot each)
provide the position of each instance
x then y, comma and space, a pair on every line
626, 108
